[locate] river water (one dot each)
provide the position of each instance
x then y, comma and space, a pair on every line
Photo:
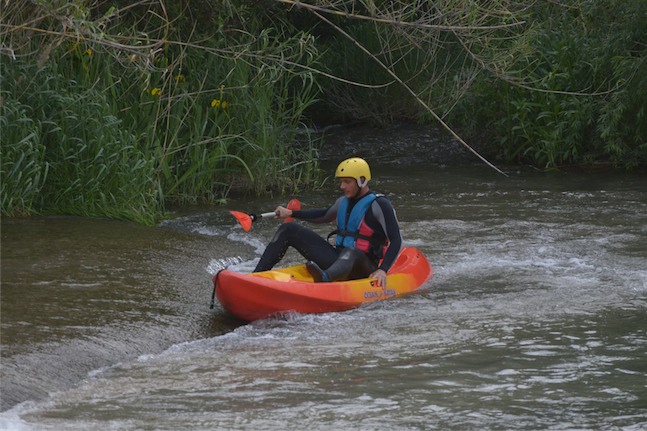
536, 317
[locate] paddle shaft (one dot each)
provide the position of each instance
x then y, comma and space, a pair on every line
271, 214
246, 220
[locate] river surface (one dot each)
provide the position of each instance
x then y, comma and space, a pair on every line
536, 317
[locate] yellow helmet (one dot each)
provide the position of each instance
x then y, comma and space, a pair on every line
354, 168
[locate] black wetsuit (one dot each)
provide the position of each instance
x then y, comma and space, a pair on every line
351, 263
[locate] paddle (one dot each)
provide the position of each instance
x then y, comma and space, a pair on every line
246, 220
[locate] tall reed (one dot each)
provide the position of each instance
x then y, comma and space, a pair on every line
94, 167
23, 169
115, 130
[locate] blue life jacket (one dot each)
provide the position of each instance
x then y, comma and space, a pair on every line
348, 229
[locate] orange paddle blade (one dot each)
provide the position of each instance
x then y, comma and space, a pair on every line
244, 219
294, 204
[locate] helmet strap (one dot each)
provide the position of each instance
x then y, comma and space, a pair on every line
362, 182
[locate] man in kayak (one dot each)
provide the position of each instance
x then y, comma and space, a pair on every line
367, 232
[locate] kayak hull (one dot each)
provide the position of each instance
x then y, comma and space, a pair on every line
262, 294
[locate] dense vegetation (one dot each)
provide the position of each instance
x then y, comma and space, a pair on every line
583, 96
121, 108
120, 111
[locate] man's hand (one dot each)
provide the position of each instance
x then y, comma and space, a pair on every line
282, 212
380, 276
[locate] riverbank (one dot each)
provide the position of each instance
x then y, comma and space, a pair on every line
398, 144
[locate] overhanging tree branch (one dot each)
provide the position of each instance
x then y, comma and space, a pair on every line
410, 91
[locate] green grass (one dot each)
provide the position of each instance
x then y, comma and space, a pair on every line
96, 129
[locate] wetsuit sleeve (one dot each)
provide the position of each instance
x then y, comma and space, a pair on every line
319, 215
392, 229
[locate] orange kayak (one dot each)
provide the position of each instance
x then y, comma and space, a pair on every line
259, 295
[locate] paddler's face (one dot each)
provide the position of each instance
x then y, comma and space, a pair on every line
349, 186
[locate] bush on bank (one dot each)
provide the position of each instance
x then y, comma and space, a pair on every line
585, 101
121, 111
565, 84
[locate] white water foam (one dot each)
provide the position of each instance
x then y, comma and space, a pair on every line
245, 238
216, 265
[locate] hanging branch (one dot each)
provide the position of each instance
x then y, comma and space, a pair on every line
387, 69
396, 22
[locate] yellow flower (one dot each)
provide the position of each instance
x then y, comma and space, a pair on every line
180, 78
156, 92
217, 103
88, 52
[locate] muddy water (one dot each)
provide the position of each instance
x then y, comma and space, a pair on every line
536, 317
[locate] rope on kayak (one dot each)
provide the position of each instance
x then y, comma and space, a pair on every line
215, 285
